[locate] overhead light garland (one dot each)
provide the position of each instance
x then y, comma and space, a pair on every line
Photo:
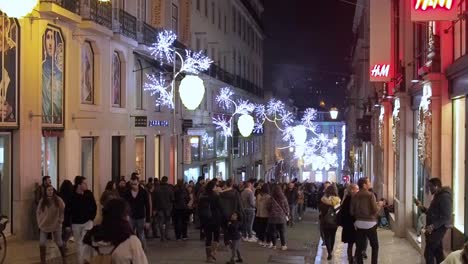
192, 88
240, 107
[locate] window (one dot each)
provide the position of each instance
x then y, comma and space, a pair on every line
198, 5
206, 8
140, 156
197, 44
87, 160
157, 159
459, 169
116, 80
219, 18
213, 14
138, 70
213, 54
6, 179
239, 23
141, 10
175, 18
50, 158
234, 22
234, 61
87, 74
225, 24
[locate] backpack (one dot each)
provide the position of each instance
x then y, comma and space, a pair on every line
330, 218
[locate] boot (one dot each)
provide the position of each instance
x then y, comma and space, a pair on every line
42, 250
214, 249
63, 254
351, 260
209, 257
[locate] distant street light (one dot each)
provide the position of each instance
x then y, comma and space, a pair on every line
334, 113
335, 140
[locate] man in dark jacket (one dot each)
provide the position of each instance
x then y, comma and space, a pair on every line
163, 204
181, 216
438, 220
230, 202
140, 207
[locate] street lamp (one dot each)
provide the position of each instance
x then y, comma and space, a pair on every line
17, 10
335, 140
334, 113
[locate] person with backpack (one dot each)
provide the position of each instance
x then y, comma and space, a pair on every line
328, 222
278, 216
50, 215
211, 215
103, 245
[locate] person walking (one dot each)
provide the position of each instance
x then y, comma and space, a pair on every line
230, 202
211, 215
263, 198
109, 193
348, 234
301, 203
233, 234
154, 223
292, 196
102, 241
364, 208
438, 220
66, 192
181, 216
82, 211
50, 215
248, 203
328, 206
163, 204
140, 208
278, 214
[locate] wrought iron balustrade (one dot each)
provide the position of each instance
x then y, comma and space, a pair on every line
125, 24
70, 5
97, 11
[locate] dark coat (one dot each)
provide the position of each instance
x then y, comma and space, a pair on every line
439, 213
181, 198
231, 202
211, 202
347, 222
164, 198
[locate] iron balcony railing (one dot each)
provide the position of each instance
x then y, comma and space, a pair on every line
98, 12
146, 33
70, 5
218, 73
124, 24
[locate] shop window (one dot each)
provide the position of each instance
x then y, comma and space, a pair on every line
418, 172
208, 148
50, 159
116, 80
140, 156
221, 170
459, 134
195, 148
191, 174
221, 145
157, 157
87, 160
87, 74
5, 176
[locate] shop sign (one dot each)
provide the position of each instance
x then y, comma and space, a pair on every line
156, 123
434, 10
380, 70
140, 121
187, 150
380, 51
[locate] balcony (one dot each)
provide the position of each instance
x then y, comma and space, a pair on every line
124, 23
70, 5
146, 34
98, 12
234, 80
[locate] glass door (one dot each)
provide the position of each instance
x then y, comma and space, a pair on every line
5, 178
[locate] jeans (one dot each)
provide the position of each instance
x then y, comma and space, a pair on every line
180, 223
164, 218
248, 223
79, 231
138, 226
235, 245
211, 233
329, 235
361, 236
300, 210
277, 228
57, 235
262, 224
292, 213
434, 252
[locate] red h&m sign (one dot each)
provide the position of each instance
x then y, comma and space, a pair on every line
380, 70
434, 10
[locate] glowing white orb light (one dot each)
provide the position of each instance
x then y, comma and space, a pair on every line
191, 91
299, 134
246, 125
334, 113
18, 9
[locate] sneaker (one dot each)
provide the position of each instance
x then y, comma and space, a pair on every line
184, 238
265, 245
261, 243
244, 239
252, 240
284, 248
274, 248
270, 245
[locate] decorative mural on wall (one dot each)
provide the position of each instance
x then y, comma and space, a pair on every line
425, 128
9, 75
53, 62
87, 73
116, 80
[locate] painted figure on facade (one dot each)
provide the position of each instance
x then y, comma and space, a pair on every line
87, 74
116, 79
52, 77
9, 72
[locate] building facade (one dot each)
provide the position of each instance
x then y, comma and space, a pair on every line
74, 101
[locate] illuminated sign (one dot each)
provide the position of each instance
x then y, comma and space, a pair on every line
425, 4
380, 70
155, 123
434, 10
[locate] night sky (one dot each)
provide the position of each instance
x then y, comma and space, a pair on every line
313, 37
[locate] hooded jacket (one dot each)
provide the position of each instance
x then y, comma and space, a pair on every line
439, 213
231, 202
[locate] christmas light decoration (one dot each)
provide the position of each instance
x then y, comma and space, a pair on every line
18, 9
192, 89
244, 108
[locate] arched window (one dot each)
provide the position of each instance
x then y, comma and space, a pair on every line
87, 73
116, 88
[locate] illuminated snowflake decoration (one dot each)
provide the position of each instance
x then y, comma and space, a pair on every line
165, 51
207, 140
226, 101
275, 111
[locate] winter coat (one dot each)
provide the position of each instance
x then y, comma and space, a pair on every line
347, 222
181, 198
291, 195
248, 199
277, 210
140, 205
51, 219
439, 213
262, 205
128, 252
211, 202
82, 207
164, 197
231, 202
